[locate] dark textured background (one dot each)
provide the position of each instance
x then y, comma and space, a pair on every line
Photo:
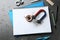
6, 30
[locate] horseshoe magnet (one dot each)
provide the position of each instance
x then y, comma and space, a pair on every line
29, 18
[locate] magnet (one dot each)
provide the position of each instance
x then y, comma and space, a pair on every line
39, 12
29, 18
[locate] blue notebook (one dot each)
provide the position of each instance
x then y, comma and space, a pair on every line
36, 4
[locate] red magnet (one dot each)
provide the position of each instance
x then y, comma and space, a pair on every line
29, 18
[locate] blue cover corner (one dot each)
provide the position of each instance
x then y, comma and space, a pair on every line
36, 4
11, 15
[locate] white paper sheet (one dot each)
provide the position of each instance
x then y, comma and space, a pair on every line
22, 27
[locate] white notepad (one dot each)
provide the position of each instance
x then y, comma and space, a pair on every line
22, 27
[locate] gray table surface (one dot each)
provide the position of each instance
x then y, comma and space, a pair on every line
6, 30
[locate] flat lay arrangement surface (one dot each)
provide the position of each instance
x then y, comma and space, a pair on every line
6, 20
